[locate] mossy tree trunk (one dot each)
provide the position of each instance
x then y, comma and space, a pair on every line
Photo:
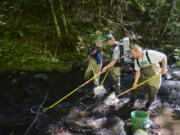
169, 18
56, 26
63, 18
55, 20
173, 5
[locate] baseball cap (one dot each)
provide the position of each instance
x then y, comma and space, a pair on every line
108, 37
91, 49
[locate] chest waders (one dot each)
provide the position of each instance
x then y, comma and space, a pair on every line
116, 74
152, 85
92, 67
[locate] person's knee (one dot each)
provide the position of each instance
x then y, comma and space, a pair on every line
151, 99
153, 90
152, 93
86, 75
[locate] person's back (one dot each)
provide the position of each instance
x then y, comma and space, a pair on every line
95, 63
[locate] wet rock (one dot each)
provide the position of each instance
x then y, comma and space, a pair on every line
102, 109
103, 131
177, 112
115, 125
43, 77
96, 123
54, 130
78, 119
166, 105
76, 127
111, 99
164, 91
168, 85
76, 114
168, 122
14, 81
173, 99
33, 89
174, 95
176, 74
140, 132
168, 76
178, 101
154, 126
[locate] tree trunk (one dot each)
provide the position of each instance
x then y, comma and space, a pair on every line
169, 17
55, 20
111, 4
63, 17
120, 12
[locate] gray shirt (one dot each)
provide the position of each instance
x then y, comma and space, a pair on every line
116, 51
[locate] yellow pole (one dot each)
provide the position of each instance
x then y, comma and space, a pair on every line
101, 84
47, 108
138, 85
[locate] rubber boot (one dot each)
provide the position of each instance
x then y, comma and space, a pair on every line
148, 105
117, 90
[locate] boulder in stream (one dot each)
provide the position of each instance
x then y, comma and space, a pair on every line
115, 125
176, 74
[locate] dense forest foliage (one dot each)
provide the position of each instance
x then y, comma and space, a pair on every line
51, 35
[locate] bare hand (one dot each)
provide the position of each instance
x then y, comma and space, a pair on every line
104, 69
164, 71
134, 85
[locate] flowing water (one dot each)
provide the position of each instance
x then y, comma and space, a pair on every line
22, 90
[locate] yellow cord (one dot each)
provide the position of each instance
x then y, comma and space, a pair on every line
138, 85
45, 109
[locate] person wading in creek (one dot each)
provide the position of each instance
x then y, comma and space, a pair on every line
115, 62
95, 62
147, 65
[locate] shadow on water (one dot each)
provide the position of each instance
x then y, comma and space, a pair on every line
21, 91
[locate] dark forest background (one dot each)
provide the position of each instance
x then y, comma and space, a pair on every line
46, 35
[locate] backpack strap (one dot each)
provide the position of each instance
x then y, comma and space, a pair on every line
138, 62
147, 55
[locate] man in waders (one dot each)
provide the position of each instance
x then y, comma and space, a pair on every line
147, 65
115, 63
95, 62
